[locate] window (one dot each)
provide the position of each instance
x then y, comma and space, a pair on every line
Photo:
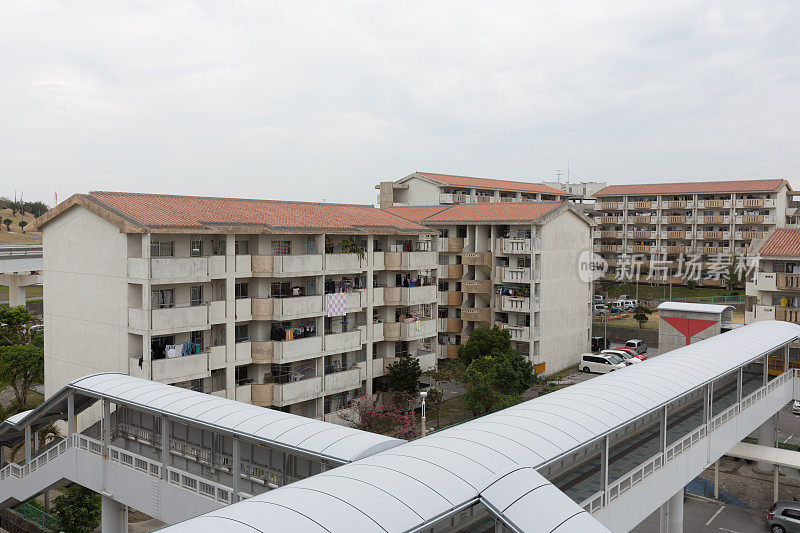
197, 337
241, 375
242, 290
444, 286
443, 233
162, 249
242, 333
196, 297
162, 299
196, 249
281, 247
791, 513
242, 247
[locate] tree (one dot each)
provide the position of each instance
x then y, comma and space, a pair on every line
367, 414
732, 276
640, 313
497, 382
7, 223
15, 325
78, 510
21, 367
37, 208
485, 342
443, 374
403, 375
22, 225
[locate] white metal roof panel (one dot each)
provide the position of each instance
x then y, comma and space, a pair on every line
697, 308
545, 508
582, 522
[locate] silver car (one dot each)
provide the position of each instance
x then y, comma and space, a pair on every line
784, 517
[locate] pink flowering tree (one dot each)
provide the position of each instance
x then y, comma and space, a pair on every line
367, 414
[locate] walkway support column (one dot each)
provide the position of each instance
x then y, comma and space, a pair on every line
716, 479
775, 485
671, 514
236, 470
113, 517
71, 413
766, 437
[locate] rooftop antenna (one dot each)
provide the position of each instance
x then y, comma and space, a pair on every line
559, 173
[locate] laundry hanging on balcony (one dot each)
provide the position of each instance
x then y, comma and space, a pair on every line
337, 304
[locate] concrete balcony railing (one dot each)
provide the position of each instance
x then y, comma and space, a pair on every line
176, 319
166, 269
377, 331
714, 250
482, 286
608, 220
344, 263
785, 281
137, 318
611, 234
514, 274
765, 281
450, 325
412, 260
610, 205
182, 368
427, 360
450, 298
448, 351
217, 356
674, 249
749, 235
477, 258
409, 295
642, 205
261, 265
676, 219
713, 203
451, 271
342, 381
297, 349
297, 265
640, 234
519, 246
296, 306
642, 220
404, 331
481, 314
262, 308
675, 204
609, 247
243, 308
216, 312
755, 219
342, 342
713, 219
718, 235
515, 304
262, 394
755, 202
596, 247
681, 234
518, 333
788, 314
296, 391
451, 244
262, 352
641, 249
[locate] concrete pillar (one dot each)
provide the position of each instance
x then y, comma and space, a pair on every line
27, 444
766, 437
775, 484
71, 414
236, 470
165, 455
113, 516
716, 479
671, 514
16, 294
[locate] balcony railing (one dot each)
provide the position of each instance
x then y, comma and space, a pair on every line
785, 281
483, 314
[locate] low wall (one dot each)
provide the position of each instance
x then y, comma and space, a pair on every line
14, 523
618, 334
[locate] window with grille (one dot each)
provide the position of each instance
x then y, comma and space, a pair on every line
196, 295
162, 249
281, 247
196, 248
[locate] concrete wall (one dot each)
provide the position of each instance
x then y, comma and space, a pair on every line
565, 319
618, 334
419, 192
85, 303
670, 338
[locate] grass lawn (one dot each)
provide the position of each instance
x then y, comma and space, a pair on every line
646, 292
629, 322
15, 236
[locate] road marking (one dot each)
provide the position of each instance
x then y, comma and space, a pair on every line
787, 438
728, 530
715, 515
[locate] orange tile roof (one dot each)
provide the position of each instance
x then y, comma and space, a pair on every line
173, 211
490, 213
491, 183
759, 185
782, 242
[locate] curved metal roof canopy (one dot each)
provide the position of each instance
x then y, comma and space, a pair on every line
299, 434
493, 459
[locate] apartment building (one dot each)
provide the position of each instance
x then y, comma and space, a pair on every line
582, 190
290, 305
773, 289
427, 188
515, 266
703, 221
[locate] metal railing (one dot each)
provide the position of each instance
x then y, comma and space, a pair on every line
33, 514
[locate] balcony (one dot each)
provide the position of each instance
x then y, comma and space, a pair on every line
608, 220
642, 205
410, 260
450, 298
642, 220
262, 394
262, 352
296, 391
609, 247
344, 263
171, 269
641, 249
181, 368
788, 314
451, 271
296, 307
515, 304
297, 349
749, 235
477, 258
610, 205
448, 351
483, 286
216, 312
262, 308
515, 274
175, 319
450, 325
297, 265
789, 282
611, 234
681, 234
714, 250
427, 360
755, 202
519, 246
451, 244
674, 249
342, 342
640, 234
244, 308
713, 203
377, 331
754, 219
718, 235
404, 331
674, 204
409, 295
713, 219
261, 265
518, 333
342, 381
482, 314
676, 219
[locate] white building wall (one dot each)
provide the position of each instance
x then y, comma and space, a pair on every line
419, 192
565, 322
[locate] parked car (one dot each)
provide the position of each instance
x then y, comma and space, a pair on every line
784, 517
600, 310
600, 343
600, 364
631, 351
626, 305
796, 407
637, 344
599, 299
627, 357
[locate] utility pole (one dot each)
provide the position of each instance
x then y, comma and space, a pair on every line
423, 429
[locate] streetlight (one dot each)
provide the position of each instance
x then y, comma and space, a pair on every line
423, 395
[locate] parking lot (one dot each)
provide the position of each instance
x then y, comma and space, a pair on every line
701, 516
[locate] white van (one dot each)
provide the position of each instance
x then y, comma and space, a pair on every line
638, 345
626, 305
600, 364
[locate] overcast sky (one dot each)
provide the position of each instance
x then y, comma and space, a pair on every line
321, 100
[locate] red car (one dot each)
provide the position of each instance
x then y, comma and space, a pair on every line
633, 353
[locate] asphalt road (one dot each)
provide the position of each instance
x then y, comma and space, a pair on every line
700, 516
